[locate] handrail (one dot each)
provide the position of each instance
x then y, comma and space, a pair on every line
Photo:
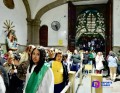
79, 71
66, 88
78, 75
69, 88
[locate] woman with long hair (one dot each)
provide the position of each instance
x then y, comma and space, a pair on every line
39, 78
60, 73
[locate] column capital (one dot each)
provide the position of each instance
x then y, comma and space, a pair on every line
33, 21
29, 19
36, 22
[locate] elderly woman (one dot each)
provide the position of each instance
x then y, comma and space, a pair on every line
99, 62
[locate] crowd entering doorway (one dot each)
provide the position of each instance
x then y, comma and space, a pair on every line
91, 42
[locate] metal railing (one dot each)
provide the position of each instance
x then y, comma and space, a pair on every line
78, 76
67, 88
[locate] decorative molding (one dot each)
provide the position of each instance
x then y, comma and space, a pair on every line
49, 7
33, 26
8, 25
27, 6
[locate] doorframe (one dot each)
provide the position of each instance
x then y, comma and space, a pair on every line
45, 38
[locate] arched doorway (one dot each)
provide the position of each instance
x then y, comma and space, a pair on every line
90, 30
90, 42
43, 35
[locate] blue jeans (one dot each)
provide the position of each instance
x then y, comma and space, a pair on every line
75, 67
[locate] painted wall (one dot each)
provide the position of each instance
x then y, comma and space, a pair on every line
36, 5
116, 22
18, 17
60, 14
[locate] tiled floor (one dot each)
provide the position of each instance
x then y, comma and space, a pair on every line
86, 86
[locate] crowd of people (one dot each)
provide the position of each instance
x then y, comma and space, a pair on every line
91, 43
45, 70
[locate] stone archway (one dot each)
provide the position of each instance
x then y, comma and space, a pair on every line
25, 2
29, 21
49, 7
34, 24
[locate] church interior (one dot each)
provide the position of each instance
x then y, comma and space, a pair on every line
64, 25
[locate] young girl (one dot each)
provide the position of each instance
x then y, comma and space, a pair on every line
39, 78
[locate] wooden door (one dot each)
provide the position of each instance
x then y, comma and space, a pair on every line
71, 26
43, 35
109, 31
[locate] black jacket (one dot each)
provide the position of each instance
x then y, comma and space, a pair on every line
5, 76
65, 73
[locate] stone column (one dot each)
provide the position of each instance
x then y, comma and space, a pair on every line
33, 31
29, 30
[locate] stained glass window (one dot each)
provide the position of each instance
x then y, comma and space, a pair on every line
90, 21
